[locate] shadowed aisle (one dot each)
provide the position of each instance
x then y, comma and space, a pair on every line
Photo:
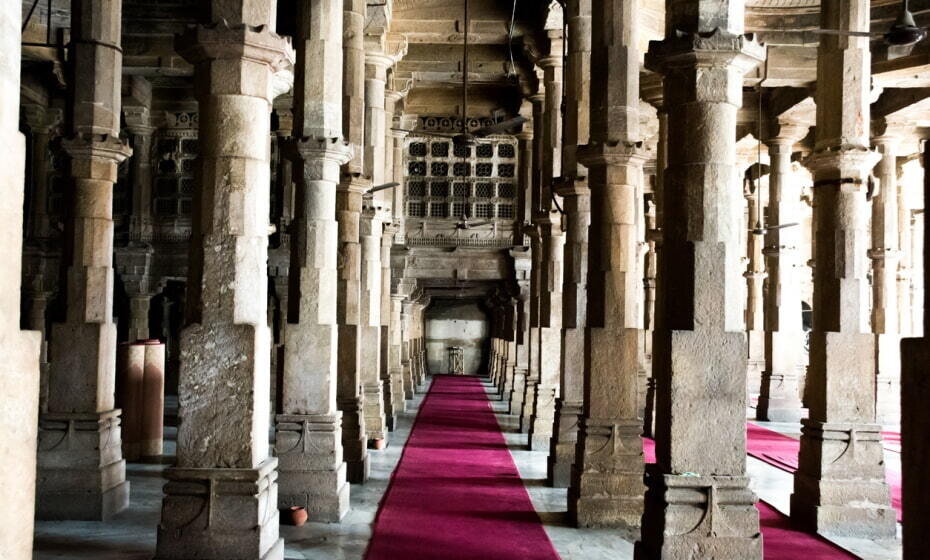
456, 493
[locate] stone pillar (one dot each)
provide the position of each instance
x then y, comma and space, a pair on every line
906, 324
223, 462
348, 212
779, 393
839, 487
400, 214
308, 427
915, 422
885, 255
19, 372
755, 277
698, 495
370, 332
395, 358
140, 224
406, 349
577, 206
139, 316
392, 400
81, 469
40, 120
552, 242
606, 487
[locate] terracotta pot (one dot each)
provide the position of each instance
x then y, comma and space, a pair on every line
294, 515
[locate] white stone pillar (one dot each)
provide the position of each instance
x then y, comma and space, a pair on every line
19, 374
779, 393
885, 254
576, 197
81, 469
308, 427
837, 491
370, 326
700, 347
223, 462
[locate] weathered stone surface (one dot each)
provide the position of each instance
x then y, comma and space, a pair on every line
699, 352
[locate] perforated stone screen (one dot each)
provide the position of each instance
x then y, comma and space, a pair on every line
446, 181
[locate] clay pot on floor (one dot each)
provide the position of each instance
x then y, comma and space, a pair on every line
294, 515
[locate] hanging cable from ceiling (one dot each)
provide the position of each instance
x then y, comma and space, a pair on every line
513, 19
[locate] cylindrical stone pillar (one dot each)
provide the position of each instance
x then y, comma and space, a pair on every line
152, 417
131, 373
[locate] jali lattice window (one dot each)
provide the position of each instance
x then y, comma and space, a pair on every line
458, 181
175, 155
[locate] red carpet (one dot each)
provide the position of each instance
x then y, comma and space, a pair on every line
779, 540
781, 451
456, 494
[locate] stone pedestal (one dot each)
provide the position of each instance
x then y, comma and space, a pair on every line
82, 474
220, 513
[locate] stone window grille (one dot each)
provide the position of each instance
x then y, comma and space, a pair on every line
445, 181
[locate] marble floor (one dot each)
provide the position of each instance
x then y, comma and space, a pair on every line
131, 535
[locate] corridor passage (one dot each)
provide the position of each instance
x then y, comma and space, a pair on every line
456, 493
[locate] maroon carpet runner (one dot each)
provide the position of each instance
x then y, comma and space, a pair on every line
456, 494
781, 451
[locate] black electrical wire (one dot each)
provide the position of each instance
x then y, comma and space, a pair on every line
29, 16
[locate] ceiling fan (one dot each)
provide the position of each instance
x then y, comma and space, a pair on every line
900, 38
464, 137
383, 187
465, 224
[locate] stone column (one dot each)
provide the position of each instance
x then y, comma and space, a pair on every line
81, 469
406, 349
392, 400
19, 372
573, 188
370, 330
552, 242
779, 394
348, 212
698, 497
606, 487
308, 428
223, 462
885, 255
906, 324
40, 120
395, 358
755, 277
915, 422
839, 487
139, 316
400, 214
140, 223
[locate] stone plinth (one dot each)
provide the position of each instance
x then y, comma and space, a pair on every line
82, 474
220, 513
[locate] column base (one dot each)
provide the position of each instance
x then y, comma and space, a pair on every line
543, 418
409, 388
715, 515
839, 487
780, 399
562, 444
528, 399
375, 419
354, 441
607, 485
397, 392
220, 514
311, 472
517, 392
81, 472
